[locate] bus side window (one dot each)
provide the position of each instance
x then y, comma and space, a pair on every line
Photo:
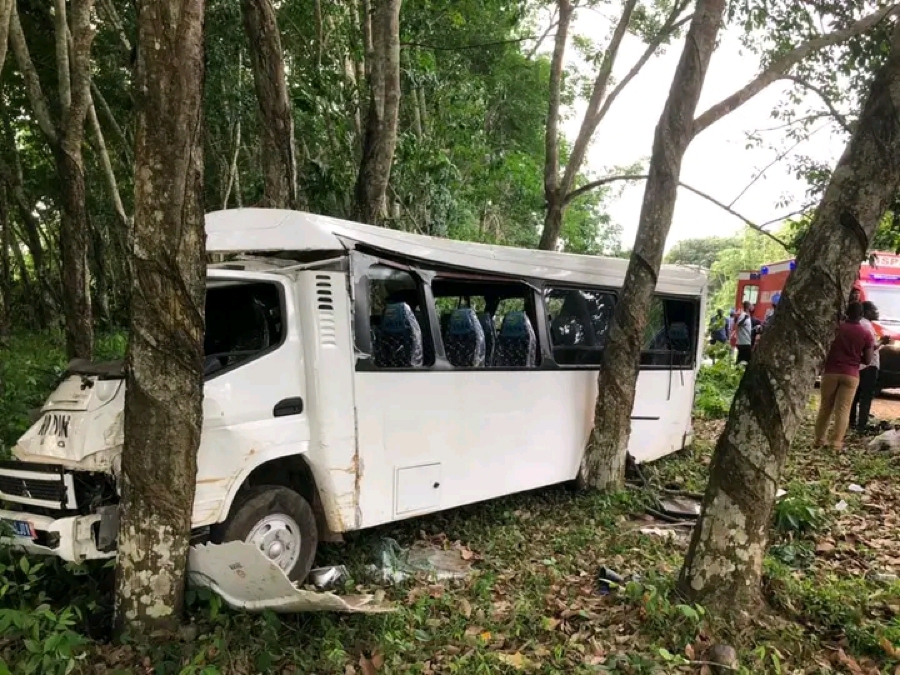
671, 333
579, 324
504, 317
398, 323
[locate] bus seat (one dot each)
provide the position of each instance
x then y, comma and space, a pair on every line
399, 343
490, 336
516, 342
445, 323
679, 337
465, 340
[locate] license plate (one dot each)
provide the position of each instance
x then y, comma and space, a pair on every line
21, 528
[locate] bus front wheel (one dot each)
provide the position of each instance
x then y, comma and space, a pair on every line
277, 521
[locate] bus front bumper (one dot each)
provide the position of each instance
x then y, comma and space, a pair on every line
73, 538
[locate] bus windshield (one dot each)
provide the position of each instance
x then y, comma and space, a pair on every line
887, 300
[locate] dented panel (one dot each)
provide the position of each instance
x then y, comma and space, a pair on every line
246, 579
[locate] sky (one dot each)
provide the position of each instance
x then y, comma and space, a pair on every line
718, 161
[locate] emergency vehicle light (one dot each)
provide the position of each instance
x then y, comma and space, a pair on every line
884, 277
764, 270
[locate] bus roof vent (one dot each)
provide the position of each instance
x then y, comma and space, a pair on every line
325, 305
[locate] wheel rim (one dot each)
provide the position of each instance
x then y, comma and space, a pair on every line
278, 538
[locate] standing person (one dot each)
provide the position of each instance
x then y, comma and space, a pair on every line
853, 345
868, 374
717, 328
743, 330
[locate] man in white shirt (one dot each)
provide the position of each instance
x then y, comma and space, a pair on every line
743, 328
868, 375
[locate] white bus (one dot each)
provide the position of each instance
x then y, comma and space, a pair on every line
357, 376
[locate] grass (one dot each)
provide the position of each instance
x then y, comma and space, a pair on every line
532, 604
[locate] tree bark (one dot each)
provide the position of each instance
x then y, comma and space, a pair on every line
603, 463
6, 11
380, 138
552, 196
75, 94
279, 157
164, 383
723, 566
5, 270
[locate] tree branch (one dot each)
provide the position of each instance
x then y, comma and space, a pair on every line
63, 74
828, 104
606, 180
642, 61
97, 97
551, 136
6, 10
591, 118
113, 185
780, 66
36, 96
110, 9
780, 156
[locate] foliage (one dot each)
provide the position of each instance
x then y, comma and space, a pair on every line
753, 251
716, 385
797, 514
30, 367
702, 252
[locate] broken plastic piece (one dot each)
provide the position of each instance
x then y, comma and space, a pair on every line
841, 506
680, 507
247, 580
853, 487
781, 493
324, 578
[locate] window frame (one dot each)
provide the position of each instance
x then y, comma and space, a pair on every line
692, 361
362, 337
281, 289
531, 298
549, 287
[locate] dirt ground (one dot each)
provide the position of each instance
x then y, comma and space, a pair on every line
887, 405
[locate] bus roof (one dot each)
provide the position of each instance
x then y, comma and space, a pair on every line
272, 230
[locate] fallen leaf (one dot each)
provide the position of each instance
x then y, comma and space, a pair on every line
466, 553
689, 651
824, 547
465, 608
516, 660
889, 648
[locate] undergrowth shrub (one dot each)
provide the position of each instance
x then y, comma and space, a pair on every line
31, 365
716, 385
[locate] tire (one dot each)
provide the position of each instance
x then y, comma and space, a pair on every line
287, 515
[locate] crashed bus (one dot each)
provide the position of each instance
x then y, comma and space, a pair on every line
356, 376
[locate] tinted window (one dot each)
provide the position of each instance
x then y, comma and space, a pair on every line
579, 324
671, 333
242, 321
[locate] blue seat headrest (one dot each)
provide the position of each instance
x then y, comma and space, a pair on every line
396, 318
515, 324
463, 321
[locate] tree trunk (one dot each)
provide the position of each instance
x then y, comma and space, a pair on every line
723, 566
279, 158
73, 243
553, 198
164, 381
604, 458
553, 220
5, 271
384, 106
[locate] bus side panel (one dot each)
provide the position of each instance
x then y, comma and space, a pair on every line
436, 440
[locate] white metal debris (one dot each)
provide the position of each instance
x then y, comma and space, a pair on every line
247, 580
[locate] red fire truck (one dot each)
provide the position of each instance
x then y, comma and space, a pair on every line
878, 281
